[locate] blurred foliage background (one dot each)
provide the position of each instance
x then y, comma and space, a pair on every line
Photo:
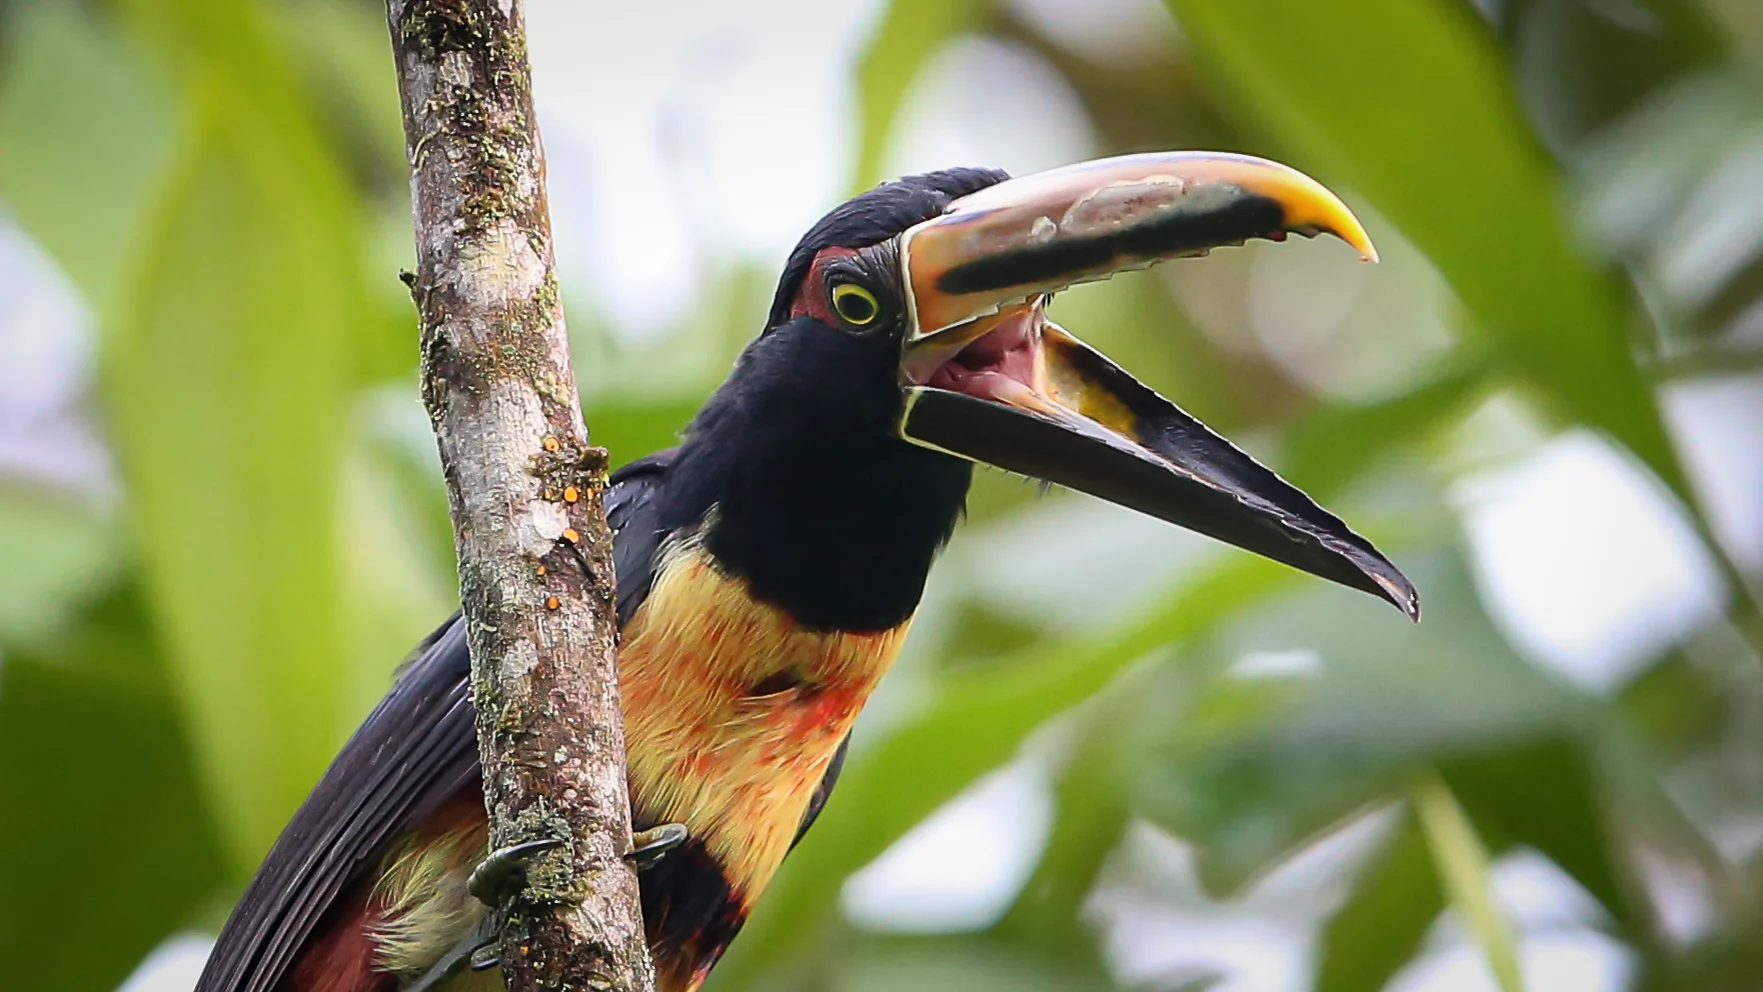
1115, 756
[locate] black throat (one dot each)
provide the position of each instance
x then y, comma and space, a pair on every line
799, 487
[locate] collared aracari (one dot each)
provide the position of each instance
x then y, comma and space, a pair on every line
768, 566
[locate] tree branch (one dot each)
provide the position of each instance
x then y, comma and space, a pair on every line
535, 555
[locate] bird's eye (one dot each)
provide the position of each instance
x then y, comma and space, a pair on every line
855, 305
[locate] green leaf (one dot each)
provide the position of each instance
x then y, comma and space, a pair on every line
399, 586
629, 431
1339, 443
1381, 925
1146, 101
959, 964
1677, 708
1091, 816
910, 33
1407, 102
106, 842
1581, 68
83, 129
1250, 767
341, 51
57, 554
1216, 777
1546, 795
226, 365
1462, 864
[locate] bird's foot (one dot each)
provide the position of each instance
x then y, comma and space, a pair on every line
493, 882
477, 952
648, 847
501, 873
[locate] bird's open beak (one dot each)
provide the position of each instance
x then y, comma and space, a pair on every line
989, 378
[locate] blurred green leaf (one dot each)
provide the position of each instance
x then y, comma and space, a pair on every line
1149, 102
629, 431
1463, 866
980, 632
398, 586
1677, 707
1250, 761
106, 843
1205, 773
1546, 795
911, 32
1407, 101
1090, 818
57, 554
226, 365
1581, 65
83, 129
957, 964
402, 470
1634, 179
345, 59
1338, 443
1380, 927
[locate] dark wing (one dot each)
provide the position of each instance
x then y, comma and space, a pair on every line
634, 516
417, 748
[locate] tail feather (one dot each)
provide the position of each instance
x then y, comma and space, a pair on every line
413, 909
340, 958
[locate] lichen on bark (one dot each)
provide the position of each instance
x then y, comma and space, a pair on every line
524, 484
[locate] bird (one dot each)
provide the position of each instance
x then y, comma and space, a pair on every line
769, 566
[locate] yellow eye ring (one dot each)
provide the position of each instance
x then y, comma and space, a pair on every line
855, 305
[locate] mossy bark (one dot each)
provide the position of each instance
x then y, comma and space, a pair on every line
535, 555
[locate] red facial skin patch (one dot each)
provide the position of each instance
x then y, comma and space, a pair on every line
811, 299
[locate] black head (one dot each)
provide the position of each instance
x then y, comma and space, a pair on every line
908, 337
819, 503
872, 218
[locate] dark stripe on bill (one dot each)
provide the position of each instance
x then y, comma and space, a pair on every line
1173, 232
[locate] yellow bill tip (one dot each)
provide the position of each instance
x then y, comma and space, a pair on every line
1310, 207
1080, 223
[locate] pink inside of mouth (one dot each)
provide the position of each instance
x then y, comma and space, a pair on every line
1000, 362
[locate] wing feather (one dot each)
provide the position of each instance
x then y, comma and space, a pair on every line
416, 749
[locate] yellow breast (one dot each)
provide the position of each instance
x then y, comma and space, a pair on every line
733, 712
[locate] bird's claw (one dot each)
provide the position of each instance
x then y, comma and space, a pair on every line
494, 877
649, 846
485, 957
491, 883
